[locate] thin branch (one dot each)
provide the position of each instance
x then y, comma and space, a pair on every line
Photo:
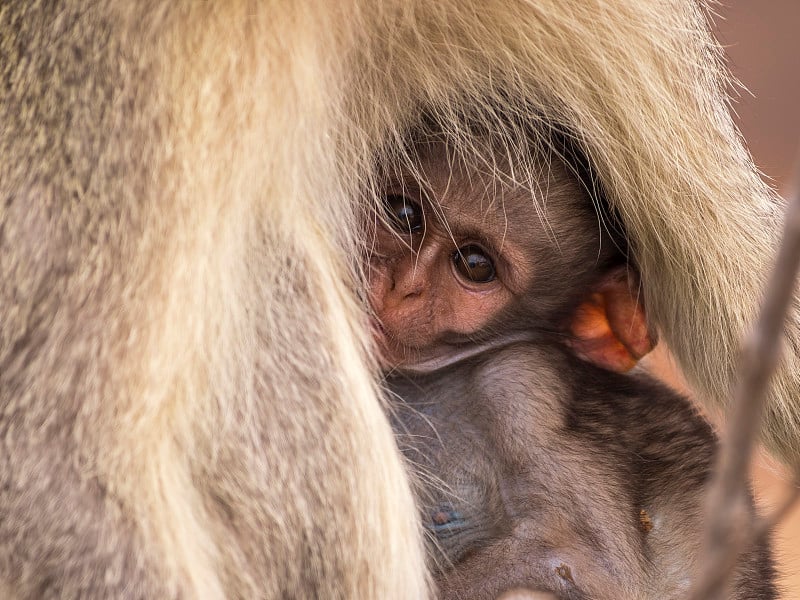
715, 579
763, 525
730, 526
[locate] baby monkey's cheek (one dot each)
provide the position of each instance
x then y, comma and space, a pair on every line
466, 312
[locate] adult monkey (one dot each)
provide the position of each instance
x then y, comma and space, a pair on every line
186, 400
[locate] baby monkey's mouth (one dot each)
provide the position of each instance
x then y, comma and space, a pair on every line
394, 354
390, 352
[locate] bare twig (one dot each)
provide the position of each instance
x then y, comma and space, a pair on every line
713, 581
730, 525
764, 524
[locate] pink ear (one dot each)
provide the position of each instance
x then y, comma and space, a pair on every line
609, 328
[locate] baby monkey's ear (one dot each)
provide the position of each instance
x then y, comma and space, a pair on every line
609, 328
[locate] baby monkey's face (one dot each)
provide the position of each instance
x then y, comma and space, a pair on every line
447, 259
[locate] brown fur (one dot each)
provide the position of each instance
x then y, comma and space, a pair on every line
187, 406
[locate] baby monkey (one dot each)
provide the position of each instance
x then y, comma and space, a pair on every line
508, 319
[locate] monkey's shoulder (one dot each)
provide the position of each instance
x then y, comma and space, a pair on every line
637, 397
635, 420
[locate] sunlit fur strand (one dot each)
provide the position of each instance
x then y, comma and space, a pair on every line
180, 326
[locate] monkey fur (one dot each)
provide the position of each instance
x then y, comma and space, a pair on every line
586, 485
188, 405
537, 468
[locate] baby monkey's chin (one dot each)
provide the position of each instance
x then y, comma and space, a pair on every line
393, 354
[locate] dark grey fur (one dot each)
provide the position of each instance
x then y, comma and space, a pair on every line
546, 472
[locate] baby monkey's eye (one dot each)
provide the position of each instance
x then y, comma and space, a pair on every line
473, 264
404, 214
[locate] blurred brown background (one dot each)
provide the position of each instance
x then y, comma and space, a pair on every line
762, 45
762, 42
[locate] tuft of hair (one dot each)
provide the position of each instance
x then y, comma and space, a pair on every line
187, 402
